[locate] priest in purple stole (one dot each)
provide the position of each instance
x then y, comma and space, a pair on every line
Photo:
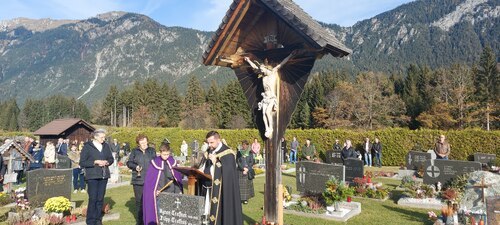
159, 174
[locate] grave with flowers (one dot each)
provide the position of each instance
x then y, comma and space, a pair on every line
334, 203
365, 187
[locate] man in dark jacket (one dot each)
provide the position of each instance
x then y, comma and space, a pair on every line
377, 152
95, 158
348, 151
37, 152
138, 162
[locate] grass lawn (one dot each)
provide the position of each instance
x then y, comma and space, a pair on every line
373, 212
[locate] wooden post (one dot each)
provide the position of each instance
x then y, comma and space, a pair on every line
191, 184
272, 204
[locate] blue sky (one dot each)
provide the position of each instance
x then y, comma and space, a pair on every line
198, 14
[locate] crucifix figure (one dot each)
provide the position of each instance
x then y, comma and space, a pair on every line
269, 103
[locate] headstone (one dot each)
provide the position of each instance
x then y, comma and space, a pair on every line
312, 177
178, 209
433, 154
484, 158
43, 184
444, 170
333, 157
181, 158
492, 210
416, 160
473, 196
63, 162
353, 168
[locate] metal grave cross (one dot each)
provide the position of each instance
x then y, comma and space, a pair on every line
177, 202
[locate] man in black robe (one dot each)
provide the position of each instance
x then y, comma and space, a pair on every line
223, 191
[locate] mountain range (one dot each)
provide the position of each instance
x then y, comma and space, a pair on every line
83, 58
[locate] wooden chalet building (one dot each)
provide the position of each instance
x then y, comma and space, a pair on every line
72, 129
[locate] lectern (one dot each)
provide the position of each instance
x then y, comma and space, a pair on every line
193, 175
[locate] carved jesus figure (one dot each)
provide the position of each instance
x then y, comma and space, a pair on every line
269, 103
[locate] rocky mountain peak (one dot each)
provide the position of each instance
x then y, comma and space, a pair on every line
110, 16
470, 10
37, 25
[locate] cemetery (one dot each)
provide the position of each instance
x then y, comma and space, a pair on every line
272, 47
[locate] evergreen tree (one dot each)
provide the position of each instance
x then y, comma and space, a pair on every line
195, 95
110, 105
304, 119
486, 81
214, 101
234, 104
9, 115
418, 92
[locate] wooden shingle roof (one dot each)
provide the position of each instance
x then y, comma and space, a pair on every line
12, 144
290, 13
57, 127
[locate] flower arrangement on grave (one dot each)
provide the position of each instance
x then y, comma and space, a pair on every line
432, 216
415, 189
5, 199
336, 191
363, 188
22, 203
57, 205
310, 204
286, 194
449, 194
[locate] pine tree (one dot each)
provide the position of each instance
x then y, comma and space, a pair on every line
195, 95
214, 101
110, 105
486, 81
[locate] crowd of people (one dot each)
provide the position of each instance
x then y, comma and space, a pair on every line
153, 172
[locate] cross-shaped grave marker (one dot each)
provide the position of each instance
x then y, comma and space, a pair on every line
433, 171
177, 202
483, 186
302, 175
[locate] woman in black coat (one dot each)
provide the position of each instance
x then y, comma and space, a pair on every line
95, 159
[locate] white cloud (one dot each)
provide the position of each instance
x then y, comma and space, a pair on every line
151, 6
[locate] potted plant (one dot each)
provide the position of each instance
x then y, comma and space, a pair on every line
57, 206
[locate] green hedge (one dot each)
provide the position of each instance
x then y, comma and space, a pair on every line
396, 141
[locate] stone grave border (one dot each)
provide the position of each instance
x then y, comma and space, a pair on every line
355, 206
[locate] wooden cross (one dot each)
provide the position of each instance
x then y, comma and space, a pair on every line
483, 186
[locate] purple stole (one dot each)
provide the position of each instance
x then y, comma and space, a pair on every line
155, 171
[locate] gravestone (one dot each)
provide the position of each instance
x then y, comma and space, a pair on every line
445, 170
353, 168
43, 184
178, 209
181, 158
333, 157
416, 160
492, 210
312, 177
63, 162
484, 158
